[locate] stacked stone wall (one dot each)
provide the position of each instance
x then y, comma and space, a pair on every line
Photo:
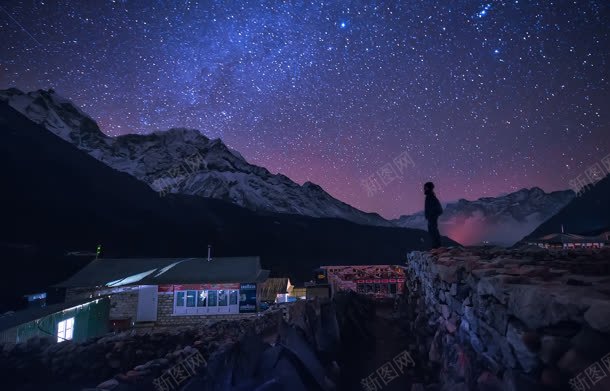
512, 320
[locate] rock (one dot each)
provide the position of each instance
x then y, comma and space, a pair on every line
573, 362
435, 352
537, 306
487, 381
515, 381
551, 377
450, 326
552, 348
445, 311
303, 352
453, 289
516, 336
108, 384
591, 343
598, 316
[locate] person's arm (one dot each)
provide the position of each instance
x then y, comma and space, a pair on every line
439, 208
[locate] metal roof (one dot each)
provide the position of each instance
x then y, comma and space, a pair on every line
156, 271
13, 319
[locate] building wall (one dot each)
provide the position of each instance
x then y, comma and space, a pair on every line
9, 335
347, 278
124, 304
90, 320
123, 301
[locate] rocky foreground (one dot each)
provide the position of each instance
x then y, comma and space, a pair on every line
471, 319
292, 347
513, 320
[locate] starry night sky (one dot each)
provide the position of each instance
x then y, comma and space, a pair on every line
486, 97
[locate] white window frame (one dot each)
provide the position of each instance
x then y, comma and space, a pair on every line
65, 330
207, 309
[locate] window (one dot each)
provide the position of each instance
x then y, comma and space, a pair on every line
212, 296
222, 298
233, 298
190, 298
65, 330
202, 299
204, 302
179, 299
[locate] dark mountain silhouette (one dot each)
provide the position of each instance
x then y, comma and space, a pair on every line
56, 198
588, 214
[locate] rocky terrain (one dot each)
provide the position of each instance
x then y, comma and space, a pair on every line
587, 214
481, 319
513, 320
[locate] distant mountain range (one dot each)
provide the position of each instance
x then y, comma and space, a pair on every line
56, 198
494, 220
184, 161
587, 214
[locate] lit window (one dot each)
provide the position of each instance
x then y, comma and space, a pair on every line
222, 298
65, 330
179, 299
190, 298
202, 298
212, 298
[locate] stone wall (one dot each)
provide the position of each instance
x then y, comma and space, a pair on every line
129, 360
292, 346
123, 301
124, 305
512, 320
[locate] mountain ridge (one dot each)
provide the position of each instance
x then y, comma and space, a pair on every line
58, 198
501, 220
225, 174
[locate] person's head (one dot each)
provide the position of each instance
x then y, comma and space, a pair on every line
428, 188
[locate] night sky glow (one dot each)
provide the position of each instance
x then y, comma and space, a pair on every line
486, 97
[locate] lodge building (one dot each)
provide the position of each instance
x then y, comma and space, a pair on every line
170, 291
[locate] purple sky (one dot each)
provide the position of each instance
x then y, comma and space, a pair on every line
486, 97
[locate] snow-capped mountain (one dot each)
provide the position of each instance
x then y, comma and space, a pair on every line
183, 161
495, 220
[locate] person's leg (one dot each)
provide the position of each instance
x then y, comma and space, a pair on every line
435, 235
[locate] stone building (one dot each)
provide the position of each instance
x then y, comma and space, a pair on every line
170, 291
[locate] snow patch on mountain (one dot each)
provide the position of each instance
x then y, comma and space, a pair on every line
160, 159
494, 220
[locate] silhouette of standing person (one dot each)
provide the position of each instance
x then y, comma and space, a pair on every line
432, 211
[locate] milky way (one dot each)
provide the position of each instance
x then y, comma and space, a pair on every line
485, 97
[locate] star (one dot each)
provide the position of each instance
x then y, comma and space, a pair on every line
332, 95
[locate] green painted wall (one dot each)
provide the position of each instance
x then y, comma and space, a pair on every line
90, 320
